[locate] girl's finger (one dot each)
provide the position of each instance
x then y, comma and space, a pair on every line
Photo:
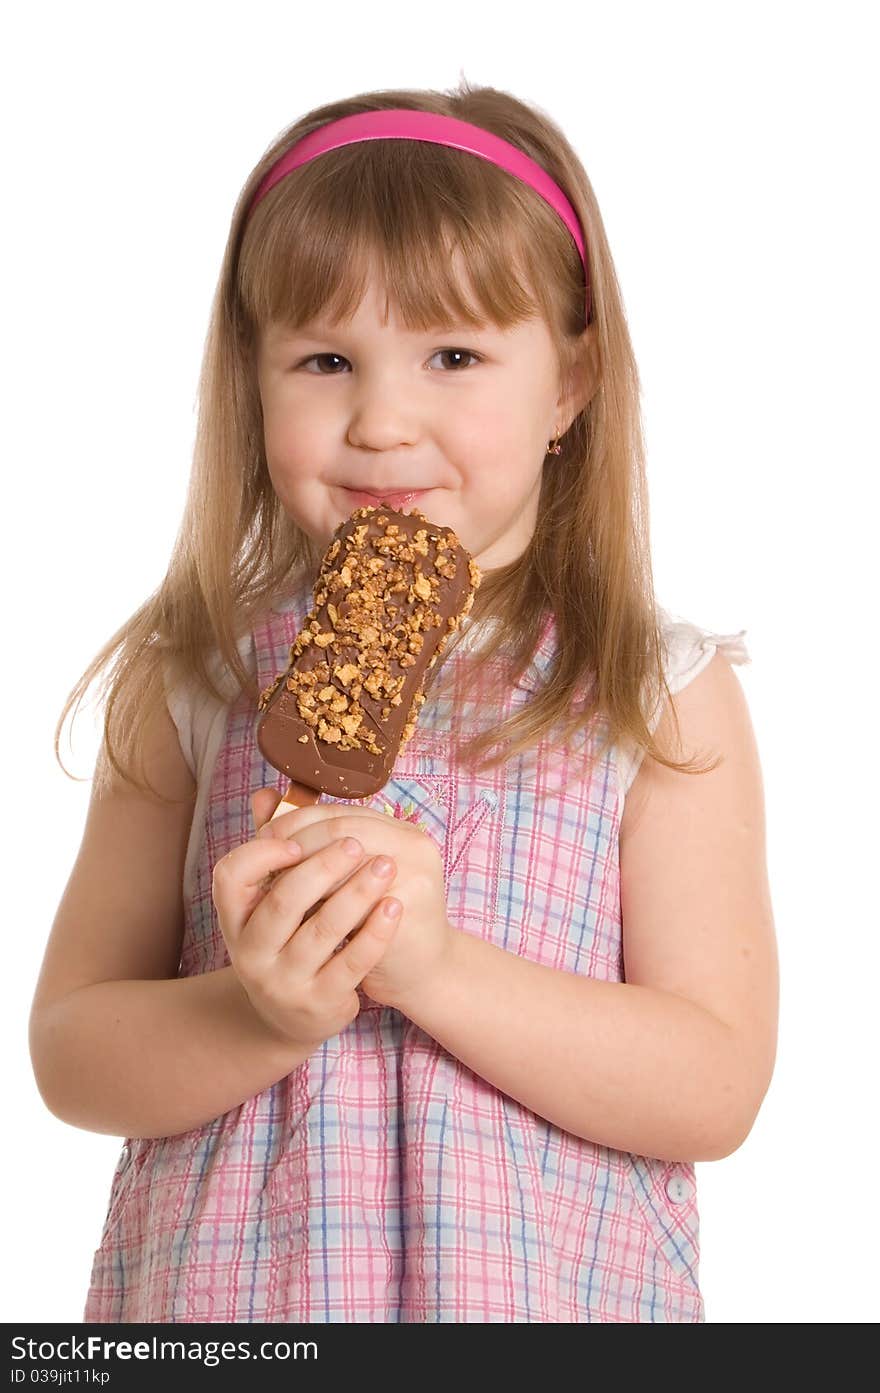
277, 920
263, 804
323, 931
238, 875
351, 964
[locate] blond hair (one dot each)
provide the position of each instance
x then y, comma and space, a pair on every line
307, 250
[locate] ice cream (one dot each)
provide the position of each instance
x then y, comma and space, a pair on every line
391, 589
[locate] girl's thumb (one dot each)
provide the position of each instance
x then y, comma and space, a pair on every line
263, 804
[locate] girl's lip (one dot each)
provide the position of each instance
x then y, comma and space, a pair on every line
397, 501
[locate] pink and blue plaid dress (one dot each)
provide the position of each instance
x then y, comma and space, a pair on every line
383, 1180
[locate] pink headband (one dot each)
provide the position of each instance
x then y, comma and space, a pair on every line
404, 124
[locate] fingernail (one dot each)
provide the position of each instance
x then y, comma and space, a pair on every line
381, 866
352, 847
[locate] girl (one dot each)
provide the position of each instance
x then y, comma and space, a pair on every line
488, 1106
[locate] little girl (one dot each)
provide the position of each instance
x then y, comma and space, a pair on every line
487, 1106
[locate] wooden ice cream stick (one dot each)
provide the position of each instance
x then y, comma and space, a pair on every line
297, 796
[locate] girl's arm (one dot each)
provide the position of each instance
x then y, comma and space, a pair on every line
622, 1065
118, 1043
152, 1058
675, 1061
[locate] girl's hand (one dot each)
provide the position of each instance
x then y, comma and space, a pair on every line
287, 959
422, 946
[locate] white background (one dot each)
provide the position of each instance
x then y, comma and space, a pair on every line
732, 148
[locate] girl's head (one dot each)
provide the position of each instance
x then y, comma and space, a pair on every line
459, 412
355, 275
408, 412
402, 314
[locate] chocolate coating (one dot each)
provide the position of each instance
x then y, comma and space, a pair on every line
391, 589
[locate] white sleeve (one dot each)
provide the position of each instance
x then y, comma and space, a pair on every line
689, 649
201, 724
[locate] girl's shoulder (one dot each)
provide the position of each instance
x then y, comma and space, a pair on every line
690, 648
194, 709
687, 650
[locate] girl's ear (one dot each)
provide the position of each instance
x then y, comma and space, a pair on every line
587, 375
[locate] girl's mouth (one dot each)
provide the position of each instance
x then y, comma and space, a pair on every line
397, 501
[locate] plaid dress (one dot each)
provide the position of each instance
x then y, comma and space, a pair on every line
382, 1180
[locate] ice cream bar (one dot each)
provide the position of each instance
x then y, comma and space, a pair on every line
391, 589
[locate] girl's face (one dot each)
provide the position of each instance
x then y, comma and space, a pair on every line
460, 418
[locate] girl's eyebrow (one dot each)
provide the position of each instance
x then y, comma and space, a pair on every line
317, 330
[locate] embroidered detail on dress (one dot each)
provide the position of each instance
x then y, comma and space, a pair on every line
405, 812
469, 824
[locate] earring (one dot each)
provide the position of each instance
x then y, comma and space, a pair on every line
554, 448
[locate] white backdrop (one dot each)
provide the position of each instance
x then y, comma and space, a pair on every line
732, 151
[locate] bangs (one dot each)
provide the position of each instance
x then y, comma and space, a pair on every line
411, 216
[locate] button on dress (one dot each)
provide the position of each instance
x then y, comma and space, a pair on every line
383, 1180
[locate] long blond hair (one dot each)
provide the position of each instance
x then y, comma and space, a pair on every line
307, 250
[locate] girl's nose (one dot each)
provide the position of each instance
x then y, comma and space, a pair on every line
380, 431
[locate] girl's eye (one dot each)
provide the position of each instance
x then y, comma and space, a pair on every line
459, 353
441, 352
